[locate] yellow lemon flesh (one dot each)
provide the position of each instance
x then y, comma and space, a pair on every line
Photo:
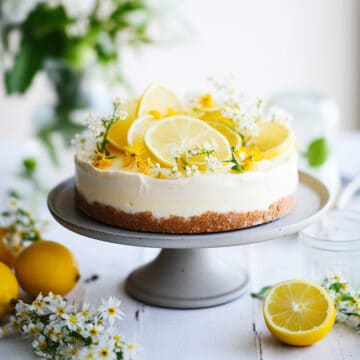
6, 256
117, 135
9, 289
273, 139
46, 266
138, 129
232, 136
299, 312
160, 100
216, 116
183, 132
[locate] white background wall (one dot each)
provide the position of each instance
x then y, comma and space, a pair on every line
272, 45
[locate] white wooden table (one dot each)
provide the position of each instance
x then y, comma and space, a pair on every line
235, 331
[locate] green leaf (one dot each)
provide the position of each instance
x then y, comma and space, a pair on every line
237, 167
317, 152
30, 166
27, 63
262, 293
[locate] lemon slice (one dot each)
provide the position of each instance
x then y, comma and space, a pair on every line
299, 312
232, 136
274, 139
158, 98
184, 132
138, 129
216, 116
117, 135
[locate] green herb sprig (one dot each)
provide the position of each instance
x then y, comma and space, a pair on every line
237, 164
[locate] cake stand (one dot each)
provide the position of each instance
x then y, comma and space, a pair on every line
187, 273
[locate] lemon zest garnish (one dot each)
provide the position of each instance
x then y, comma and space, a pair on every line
100, 161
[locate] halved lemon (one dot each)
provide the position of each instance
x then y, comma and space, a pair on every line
184, 132
274, 139
158, 98
117, 135
232, 136
299, 312
138, 129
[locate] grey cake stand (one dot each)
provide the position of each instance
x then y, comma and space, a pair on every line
187, 273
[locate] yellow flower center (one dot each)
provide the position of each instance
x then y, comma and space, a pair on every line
73, 319
93, 331
104, 353
38, 303
112, 311
206, 101
60, 311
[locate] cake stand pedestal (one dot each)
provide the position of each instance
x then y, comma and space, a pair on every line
187, 273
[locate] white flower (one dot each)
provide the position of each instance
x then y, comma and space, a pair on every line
39, 306
110, 309
212, 163
94, 330
279, 115
121, 114
15, 11
118, 101
32, 329
73, 321
39, 344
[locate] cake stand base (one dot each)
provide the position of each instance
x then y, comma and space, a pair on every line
187, 279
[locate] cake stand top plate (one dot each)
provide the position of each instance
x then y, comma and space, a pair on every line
313, 200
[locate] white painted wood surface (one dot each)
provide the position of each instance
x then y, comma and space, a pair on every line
235, 331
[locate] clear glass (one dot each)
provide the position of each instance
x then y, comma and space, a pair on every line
314, 116
332, 245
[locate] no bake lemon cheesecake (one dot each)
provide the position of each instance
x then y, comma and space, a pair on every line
218, 162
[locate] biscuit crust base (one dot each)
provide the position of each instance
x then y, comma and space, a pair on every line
205, 223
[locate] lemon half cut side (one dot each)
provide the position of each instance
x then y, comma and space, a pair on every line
299, 312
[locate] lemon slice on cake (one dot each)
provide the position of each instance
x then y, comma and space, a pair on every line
232, 136
158, 100
117, 135
138, 129
299, 312
184, 132
273, 139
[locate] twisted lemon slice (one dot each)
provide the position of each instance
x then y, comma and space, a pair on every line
274, 139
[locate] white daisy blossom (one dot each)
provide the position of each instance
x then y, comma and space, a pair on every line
346, 299
73, 321
110, 309
62, 330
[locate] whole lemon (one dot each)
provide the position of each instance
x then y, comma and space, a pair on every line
9, 289
6, 256
46, 266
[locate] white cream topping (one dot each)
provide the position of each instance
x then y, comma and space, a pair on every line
221, 192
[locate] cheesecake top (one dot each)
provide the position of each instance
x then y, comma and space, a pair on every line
217, 131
